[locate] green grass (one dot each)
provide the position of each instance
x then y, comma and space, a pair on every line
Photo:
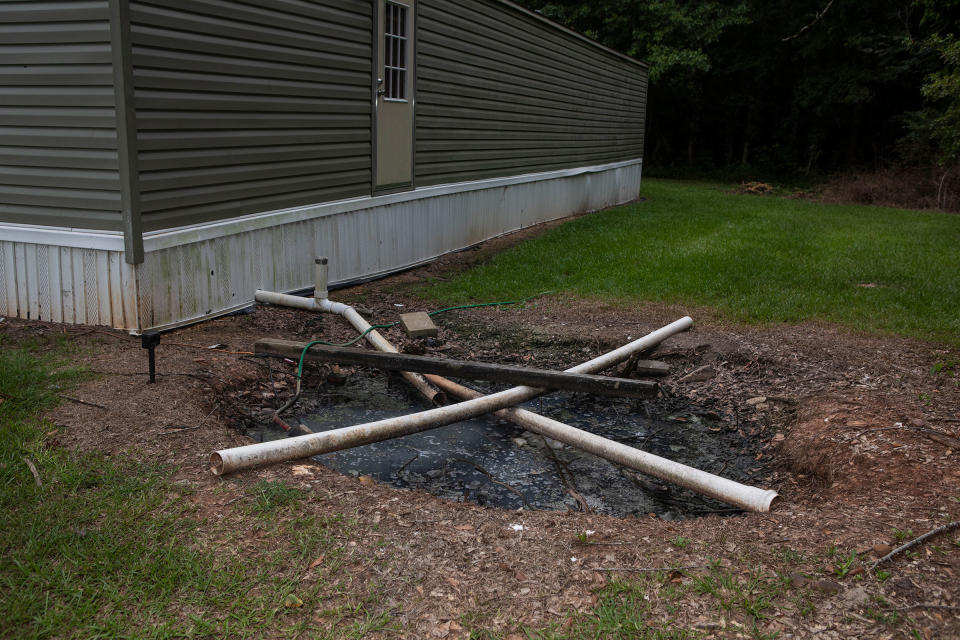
621, 611
111, 550
755, 259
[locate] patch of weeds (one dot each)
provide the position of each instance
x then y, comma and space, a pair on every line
843, 566
882, 575
622, 611
680, 542
947, 367
804, 605
269, 496
754, 595
759, 635
790, 556
902, 535
832, 551
891, 618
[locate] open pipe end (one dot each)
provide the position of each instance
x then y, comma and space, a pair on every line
769, 501
216, 463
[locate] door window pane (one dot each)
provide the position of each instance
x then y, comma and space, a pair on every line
395, 51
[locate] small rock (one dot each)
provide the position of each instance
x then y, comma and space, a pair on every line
857, 596
520, 442
881, 550
798, 580
434, 473
779, 437
700, 374
916, 422
757, 400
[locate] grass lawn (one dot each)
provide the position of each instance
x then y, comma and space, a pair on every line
94, 548
755, 259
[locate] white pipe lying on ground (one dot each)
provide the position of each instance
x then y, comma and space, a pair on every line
354, 318
740, 495
728, 491
229, 460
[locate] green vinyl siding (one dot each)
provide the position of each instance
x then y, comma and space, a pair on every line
58, 141
501, 91
245, 107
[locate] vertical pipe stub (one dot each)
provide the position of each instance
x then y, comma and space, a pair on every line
320, 278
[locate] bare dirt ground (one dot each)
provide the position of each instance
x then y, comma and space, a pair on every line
860, 436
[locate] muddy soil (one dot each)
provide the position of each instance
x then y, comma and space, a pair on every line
857, 434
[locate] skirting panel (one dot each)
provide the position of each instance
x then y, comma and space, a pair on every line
197, 272
67, 284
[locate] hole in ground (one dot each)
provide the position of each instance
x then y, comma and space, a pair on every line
493, 463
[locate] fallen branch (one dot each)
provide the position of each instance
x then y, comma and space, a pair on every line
33, 470
925, 605
568, 485
915, 542
649, 569
79, 401
179, 429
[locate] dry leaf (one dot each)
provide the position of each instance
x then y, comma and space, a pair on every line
316, 563
292, 602
464, 527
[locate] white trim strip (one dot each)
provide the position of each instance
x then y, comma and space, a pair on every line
62, 236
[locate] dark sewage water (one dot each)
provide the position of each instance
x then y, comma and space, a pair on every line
494, 463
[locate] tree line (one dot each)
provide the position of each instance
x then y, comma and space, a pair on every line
787, 87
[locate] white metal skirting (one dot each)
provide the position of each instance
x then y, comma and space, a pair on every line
197, 272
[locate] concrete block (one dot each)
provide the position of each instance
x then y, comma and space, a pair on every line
418, 325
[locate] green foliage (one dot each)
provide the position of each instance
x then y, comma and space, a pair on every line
104, 549
776, 87
942, 89
843, 566
269, 496
759, 260
622, 611
902, 535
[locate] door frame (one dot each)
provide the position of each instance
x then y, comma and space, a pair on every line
376, 51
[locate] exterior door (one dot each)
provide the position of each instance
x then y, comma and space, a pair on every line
394, 82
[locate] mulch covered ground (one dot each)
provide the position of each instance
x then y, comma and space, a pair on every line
859, 436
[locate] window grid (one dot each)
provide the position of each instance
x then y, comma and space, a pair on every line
395, 51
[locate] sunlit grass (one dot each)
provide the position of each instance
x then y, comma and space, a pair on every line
754, 259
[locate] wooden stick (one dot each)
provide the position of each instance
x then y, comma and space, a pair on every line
79, 401
923, 605
646, 569
33, 470
540, 378
916, 541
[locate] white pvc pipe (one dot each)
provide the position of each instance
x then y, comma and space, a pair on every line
728, 491
355, 319
228, 460
740, 495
